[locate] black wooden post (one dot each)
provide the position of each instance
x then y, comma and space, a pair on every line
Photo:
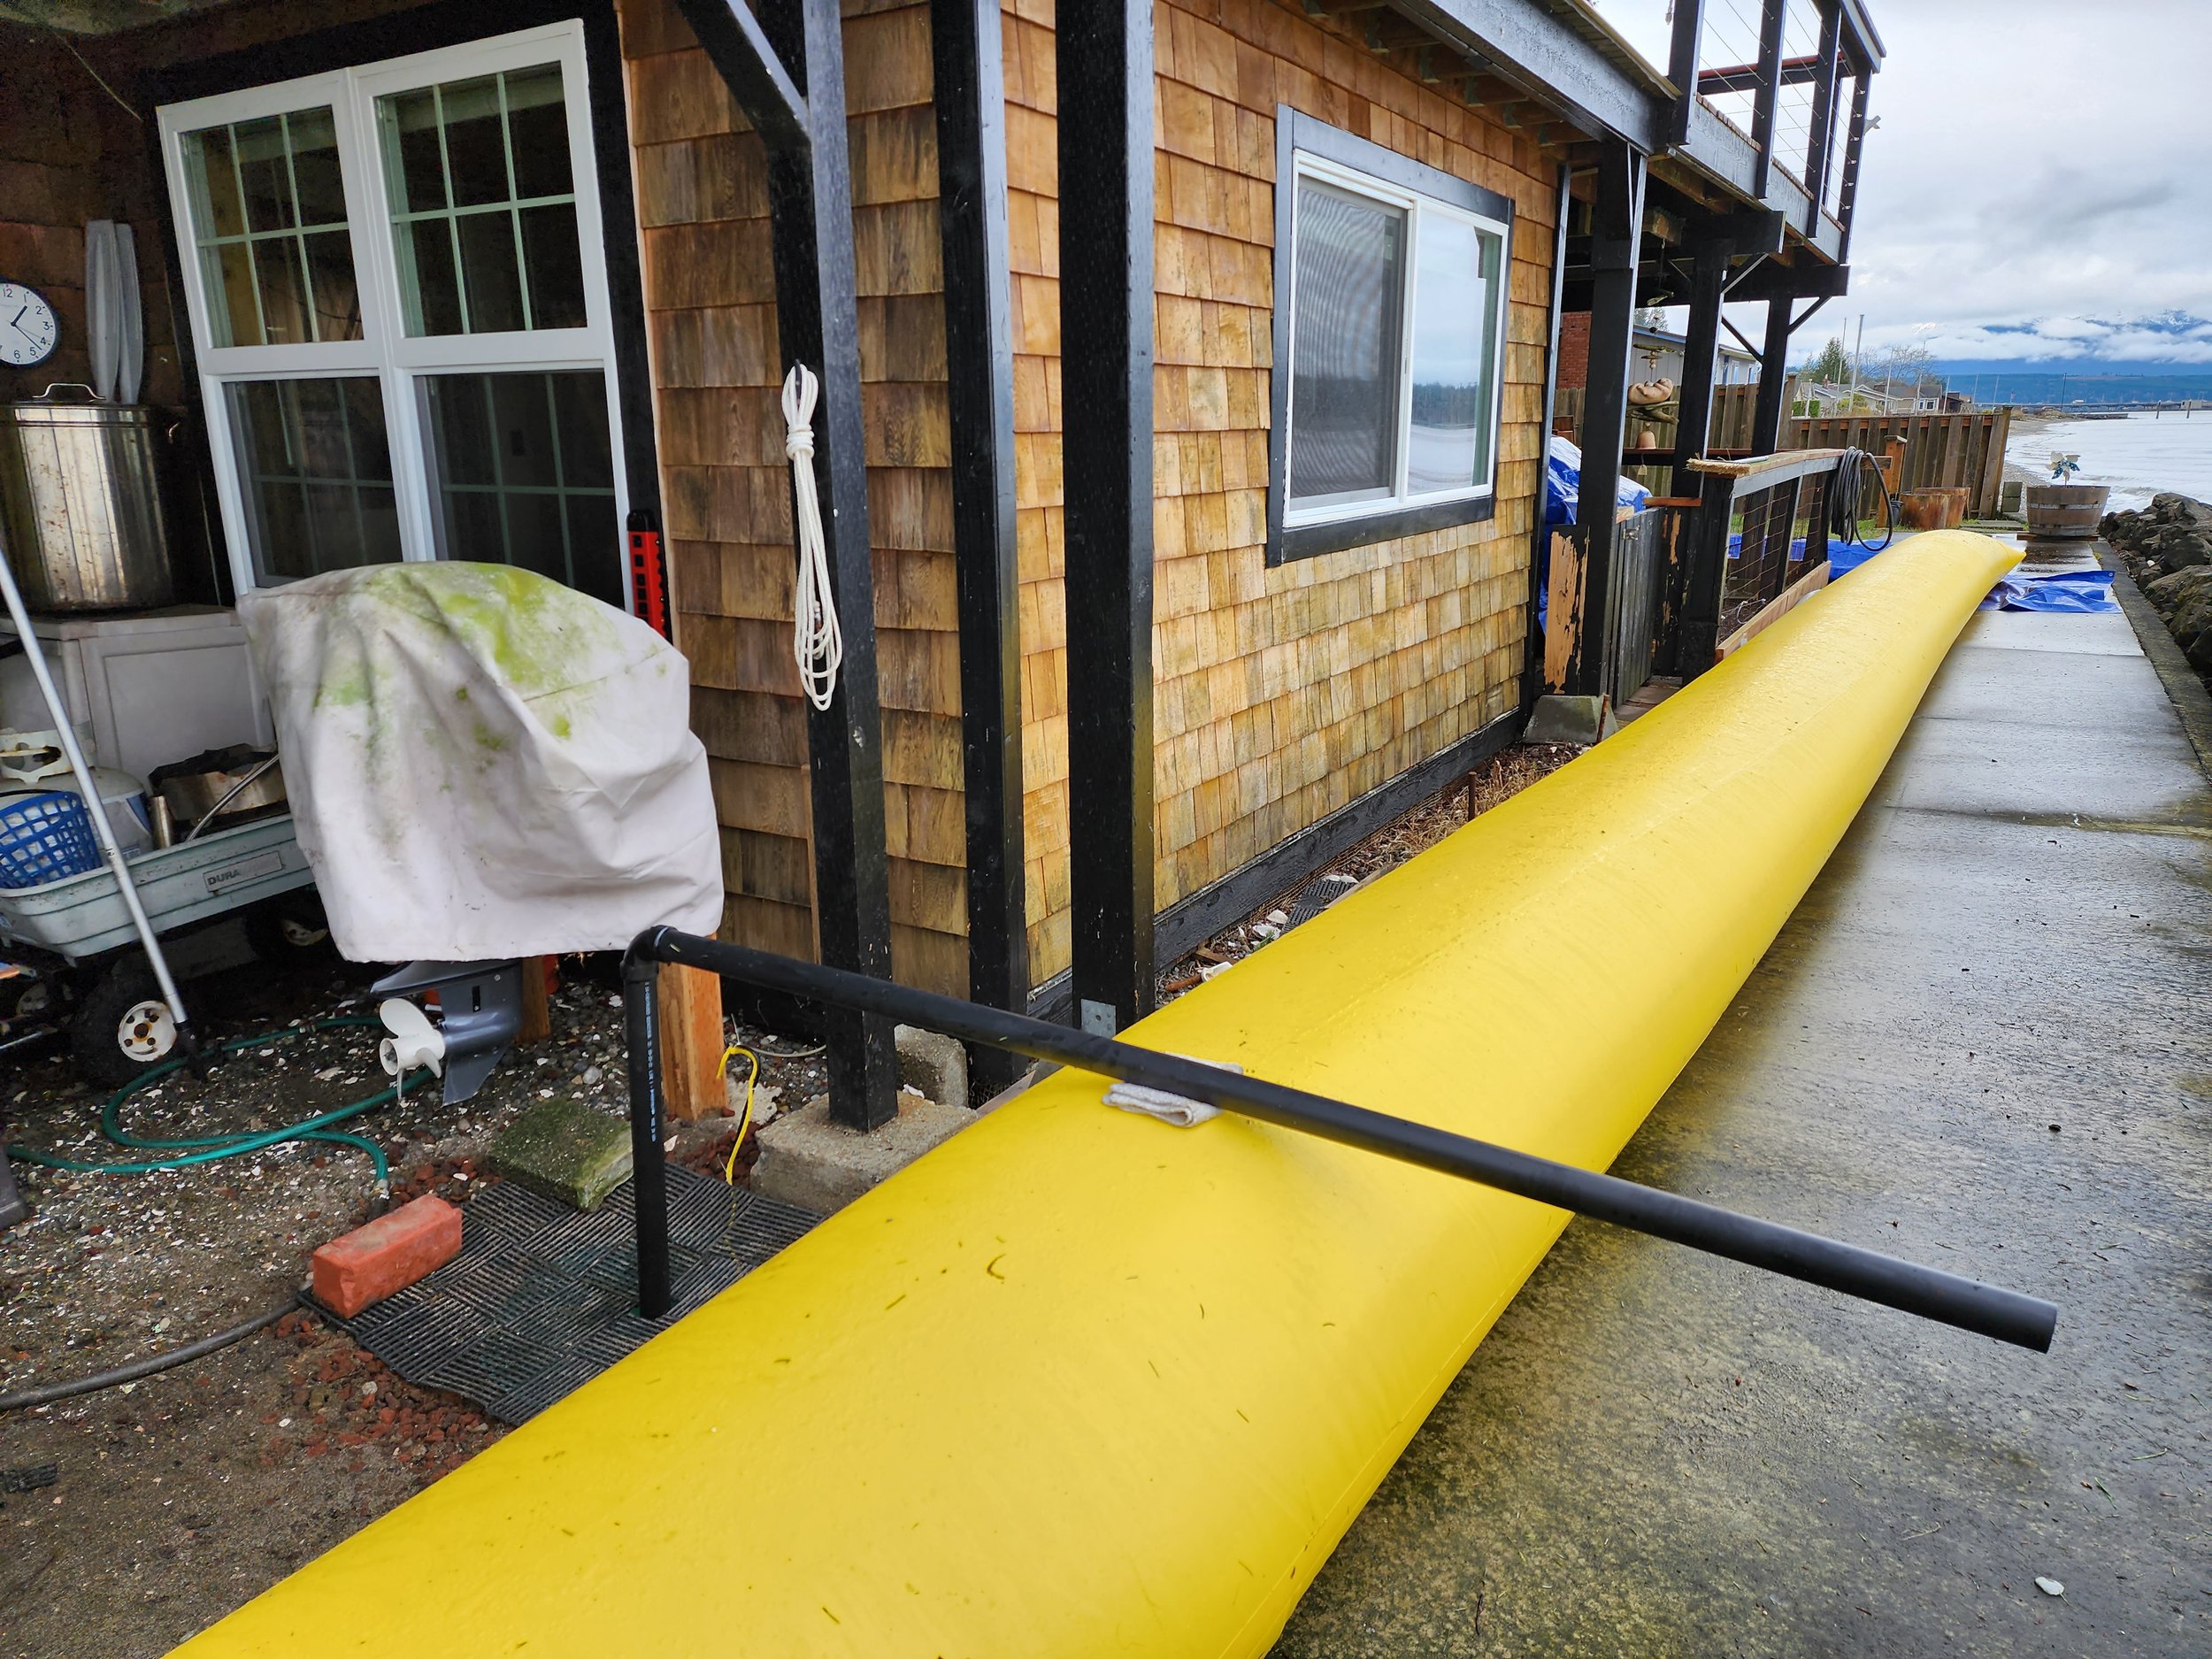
1768, 94
971, 99
1847, 187
1700, 345
1105, 161
1706, 570
788, 72
1539, 532
1774, 370
1689, 29
1823, 114
1616, 232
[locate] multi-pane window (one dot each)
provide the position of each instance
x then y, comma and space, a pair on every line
398, 295
525, 475
315, 467
1391, 292
483, 204
269, 222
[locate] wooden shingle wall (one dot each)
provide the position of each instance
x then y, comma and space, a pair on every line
1283, 694
710, 295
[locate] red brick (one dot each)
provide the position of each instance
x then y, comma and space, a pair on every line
389, 1255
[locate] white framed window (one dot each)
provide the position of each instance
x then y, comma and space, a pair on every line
1391, 294
399, 308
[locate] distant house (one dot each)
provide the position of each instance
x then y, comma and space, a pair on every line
1654, 354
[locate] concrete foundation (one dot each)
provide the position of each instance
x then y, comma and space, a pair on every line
1578, 720
935, 1063
806, 1160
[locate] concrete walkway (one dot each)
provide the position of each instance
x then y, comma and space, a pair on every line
1983, 1042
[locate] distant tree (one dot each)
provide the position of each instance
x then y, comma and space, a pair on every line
1904, 365
1832, 366
1652, 317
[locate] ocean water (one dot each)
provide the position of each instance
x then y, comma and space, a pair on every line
2138, 456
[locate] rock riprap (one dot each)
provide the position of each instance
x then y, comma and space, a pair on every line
2167, 548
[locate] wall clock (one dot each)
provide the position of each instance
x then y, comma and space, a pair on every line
28, 329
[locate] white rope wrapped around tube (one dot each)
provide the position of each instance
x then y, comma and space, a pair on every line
817, 644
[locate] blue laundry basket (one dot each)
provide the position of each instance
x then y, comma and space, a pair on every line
45, 838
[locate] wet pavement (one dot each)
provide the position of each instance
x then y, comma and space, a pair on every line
1981, 1043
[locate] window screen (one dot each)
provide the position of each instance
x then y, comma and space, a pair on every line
1350, 273
1389, 341
484, 218
269, 221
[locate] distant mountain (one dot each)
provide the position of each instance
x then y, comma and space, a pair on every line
2089, 381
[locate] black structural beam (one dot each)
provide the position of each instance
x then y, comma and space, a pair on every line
1806, 280
1528, 45
1855, 141
1774, 373
971, 99
788, 76
1702, 553
1767, 95
1539, 532
1700, 345
1617, 228
1104, 54
1688, 40
750, 67
1866, 45
1988, 1310
1822, 126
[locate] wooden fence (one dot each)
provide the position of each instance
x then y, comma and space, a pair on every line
1961, 449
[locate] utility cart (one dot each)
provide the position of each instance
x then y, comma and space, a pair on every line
88, 973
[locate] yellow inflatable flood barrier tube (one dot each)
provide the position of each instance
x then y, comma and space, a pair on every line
1079, 1383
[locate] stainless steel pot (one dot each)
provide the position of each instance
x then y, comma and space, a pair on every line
83, 506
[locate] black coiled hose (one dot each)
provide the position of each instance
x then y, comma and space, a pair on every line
1846, 488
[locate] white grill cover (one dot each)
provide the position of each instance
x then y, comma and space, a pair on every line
482, 762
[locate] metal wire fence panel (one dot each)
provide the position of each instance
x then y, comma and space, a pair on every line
1759, 548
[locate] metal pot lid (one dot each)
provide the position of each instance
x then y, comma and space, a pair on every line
49, 409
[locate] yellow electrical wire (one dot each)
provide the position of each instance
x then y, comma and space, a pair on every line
745, 1119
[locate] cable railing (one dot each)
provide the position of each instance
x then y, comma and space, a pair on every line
1793, 100
1728, 61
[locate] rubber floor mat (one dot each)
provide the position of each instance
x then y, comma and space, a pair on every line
544, 1297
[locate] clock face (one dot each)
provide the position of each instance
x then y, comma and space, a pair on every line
27, 330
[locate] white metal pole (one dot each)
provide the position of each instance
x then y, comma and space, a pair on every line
35, 654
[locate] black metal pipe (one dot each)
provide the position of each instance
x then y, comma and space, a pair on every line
641, 1019
1946, 1298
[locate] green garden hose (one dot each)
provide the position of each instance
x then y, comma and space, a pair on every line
192, 1149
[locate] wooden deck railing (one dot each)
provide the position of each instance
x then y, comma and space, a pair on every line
1753, 546
1962, 449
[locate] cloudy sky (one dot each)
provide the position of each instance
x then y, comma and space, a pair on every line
2040, 185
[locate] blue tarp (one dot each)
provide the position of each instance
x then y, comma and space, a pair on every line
2067, 592
1562, 488
1563, 485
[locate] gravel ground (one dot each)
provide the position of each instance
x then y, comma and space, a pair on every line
173, 1503
1505, 775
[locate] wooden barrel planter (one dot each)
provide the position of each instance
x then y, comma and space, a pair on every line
2067, 511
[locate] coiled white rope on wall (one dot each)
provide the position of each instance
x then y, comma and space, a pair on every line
817, 644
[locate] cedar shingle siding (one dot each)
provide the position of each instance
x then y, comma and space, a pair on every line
1281, 693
